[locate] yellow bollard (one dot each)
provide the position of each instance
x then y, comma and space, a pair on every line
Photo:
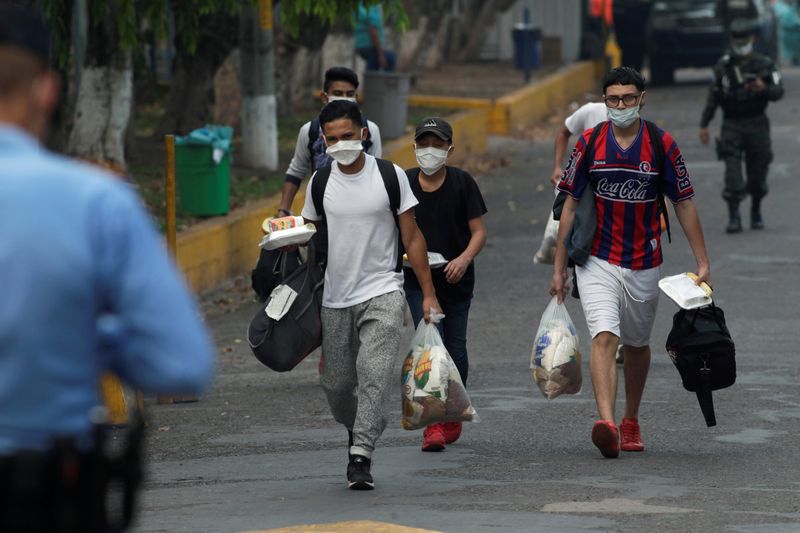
118, 400
613, 51
172, 233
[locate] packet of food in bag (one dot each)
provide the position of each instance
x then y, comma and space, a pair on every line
556, 356
432, 388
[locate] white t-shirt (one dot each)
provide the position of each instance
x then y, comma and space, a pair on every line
362, 235
586, 117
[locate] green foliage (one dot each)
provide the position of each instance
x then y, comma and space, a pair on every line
334, 11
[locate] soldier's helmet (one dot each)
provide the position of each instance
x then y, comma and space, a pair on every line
742, 28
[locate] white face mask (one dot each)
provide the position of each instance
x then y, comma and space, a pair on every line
744, 49
345, 152
430, 159
345, 98
622, 118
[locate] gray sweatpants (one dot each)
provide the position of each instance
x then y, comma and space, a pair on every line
360, 345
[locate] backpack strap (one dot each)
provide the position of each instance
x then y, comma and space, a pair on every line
561, 197
313, 135
318, 185
390, 181
706, 401
659, 158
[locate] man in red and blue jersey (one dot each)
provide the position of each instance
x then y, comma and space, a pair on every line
618, 283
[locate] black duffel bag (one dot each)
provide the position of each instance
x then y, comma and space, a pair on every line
271, 269
704, 354
282, 344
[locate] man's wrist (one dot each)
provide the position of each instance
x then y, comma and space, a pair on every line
284, 212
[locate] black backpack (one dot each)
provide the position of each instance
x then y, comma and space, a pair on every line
316, 145
702, 350
320, 181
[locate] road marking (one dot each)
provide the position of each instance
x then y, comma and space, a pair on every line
357, 526
613, 506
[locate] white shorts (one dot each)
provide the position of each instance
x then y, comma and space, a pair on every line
619, 300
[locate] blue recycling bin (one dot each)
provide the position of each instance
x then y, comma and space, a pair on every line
527, 47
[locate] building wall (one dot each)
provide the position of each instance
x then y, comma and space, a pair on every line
556, 18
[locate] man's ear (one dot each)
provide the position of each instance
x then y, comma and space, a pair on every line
643, 99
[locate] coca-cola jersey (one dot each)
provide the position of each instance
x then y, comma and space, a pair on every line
625, 186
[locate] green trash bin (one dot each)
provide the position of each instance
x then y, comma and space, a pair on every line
203, 184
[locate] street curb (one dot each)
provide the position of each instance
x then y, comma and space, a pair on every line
515, 110
214, 251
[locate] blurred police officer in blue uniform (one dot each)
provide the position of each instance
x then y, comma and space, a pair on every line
87, 287
744, 83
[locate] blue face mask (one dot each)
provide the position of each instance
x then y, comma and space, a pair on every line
622, 118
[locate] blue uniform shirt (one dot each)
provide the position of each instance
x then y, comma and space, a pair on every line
86, 286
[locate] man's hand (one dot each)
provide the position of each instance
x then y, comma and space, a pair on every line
756, 86
454, 270
704, 135
556, 176
559, 286
703, 275
428, 303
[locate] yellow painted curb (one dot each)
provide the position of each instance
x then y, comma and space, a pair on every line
357, 526
530, 103
469, 138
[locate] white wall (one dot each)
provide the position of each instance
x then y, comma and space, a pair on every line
556, 18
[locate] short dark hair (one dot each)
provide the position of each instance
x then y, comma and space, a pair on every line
341, 109
339, 74
623, 76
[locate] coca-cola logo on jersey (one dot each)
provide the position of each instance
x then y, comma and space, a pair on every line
631, 190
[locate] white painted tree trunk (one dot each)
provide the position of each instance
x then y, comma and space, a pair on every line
260, 132
102, 113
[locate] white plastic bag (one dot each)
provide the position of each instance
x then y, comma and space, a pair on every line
546, 253
430, 382
556, 356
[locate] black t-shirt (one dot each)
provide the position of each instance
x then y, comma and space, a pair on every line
443, 216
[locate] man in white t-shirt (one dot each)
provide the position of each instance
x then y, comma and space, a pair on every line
363, 303
585, 117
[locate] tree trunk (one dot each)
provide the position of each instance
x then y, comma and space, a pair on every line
104, 96
478, 26
102, 114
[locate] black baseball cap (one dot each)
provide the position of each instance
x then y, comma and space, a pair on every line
24, 28
438, 126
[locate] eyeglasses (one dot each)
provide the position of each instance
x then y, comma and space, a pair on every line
627, 99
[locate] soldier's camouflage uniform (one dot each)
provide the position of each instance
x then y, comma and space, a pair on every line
745, 126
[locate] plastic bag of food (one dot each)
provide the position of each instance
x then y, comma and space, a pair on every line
430, 382
546, 253
556, 356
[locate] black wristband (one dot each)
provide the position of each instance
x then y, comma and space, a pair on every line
284, 211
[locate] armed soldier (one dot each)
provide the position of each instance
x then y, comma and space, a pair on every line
744, 83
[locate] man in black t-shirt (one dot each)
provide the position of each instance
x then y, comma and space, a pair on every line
449, 215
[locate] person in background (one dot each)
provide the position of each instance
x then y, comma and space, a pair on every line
788, 31
340, 83
744, 83
618, 282
370, 41
449, 214
88, 289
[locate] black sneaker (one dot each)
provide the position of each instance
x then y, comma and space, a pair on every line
358, 476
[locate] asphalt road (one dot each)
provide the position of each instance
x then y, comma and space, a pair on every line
262, 450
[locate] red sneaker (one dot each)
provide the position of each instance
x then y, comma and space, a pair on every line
605, 436
433, 439
452, 430
631, 435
